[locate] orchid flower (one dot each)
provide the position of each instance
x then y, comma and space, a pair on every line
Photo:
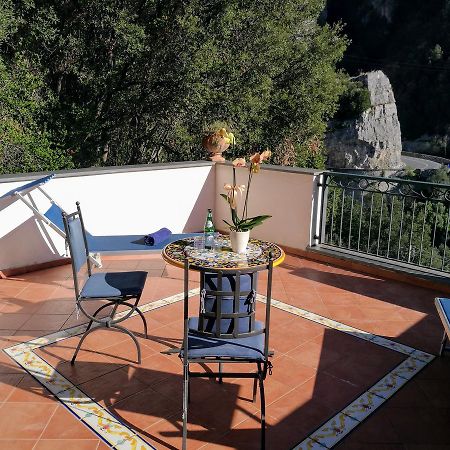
265, 155
232, 192
239, 162
241, 222
255, 161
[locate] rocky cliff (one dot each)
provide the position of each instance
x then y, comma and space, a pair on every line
372, 141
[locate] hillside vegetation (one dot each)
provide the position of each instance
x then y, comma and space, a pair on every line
86, 83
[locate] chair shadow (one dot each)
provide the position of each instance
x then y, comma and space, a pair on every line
367, 285
210, 398
216, 408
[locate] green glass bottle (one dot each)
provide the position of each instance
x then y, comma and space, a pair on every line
209, 230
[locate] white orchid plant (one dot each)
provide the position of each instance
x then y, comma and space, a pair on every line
233, 191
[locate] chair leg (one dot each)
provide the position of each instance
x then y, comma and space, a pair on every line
220, 371
263, 411
255, 386
185, 404
86, 333
135, 308
255, 382
189, 390
443, 342
88, 330
132, 336
144, 321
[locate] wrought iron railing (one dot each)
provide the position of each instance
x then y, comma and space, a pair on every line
392, 218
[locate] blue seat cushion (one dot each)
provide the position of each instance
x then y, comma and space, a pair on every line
445, 306
249, 348
114, 284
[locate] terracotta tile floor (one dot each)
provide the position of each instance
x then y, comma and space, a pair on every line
317, 371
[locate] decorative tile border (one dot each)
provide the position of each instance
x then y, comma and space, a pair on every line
122, 437
336, 428
92, 414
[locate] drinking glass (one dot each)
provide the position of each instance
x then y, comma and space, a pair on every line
199, 242
217, 243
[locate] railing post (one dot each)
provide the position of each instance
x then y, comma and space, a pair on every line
318, 223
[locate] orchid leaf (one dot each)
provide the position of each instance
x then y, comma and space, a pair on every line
252, 222
235, 217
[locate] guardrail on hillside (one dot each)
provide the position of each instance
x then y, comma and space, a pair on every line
391, 218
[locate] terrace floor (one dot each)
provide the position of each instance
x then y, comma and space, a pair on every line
366, 379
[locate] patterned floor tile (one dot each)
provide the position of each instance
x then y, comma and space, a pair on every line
388, 386
334, 430
121, 436
364, 405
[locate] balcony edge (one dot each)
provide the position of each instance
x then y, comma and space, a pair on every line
416, 276
88, 171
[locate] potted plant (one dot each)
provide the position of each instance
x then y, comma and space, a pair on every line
241, 223
217, 138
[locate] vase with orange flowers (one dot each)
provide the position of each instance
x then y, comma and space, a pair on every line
241, 223
216, 140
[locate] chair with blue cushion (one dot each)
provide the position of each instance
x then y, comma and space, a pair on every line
443, 309
115, 288
226, 331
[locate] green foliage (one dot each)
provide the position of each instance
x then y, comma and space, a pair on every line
215, 126
440, 176
311, 155
354, 101
137, 81
25, 145
412, 229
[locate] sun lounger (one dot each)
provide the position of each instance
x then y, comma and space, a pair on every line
97, 244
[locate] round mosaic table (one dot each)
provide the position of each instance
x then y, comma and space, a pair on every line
221, 257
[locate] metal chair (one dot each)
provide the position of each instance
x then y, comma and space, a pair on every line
117, 288
443, 309
226, 331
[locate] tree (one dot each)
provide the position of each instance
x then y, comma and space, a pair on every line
25, 145
136, 81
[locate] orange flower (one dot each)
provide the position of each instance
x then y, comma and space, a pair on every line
255, 158
266, 154
239, 162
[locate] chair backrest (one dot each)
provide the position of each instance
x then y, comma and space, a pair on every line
227, 304
76, 239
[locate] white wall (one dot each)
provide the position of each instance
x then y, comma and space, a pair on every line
113, 203
141, 200
287, 194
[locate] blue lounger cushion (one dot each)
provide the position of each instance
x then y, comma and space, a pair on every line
248, 348
157, 237
26, 188
117, 243
114, 284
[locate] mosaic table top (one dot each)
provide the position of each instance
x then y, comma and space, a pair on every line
221, 256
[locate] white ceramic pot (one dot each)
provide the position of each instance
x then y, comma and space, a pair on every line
239, 241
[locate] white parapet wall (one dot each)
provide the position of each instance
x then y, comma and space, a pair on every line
290, 195
137, 200
134, 200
